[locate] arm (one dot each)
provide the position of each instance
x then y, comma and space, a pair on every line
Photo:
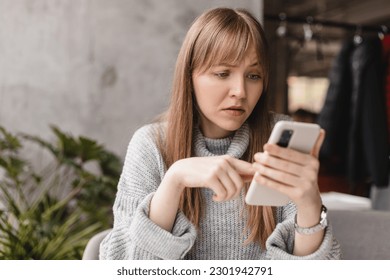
147, 223
134, 235
280, 245
225, 175
295, 174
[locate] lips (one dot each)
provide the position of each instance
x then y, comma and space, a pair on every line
234, 110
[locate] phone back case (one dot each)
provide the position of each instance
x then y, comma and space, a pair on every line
302, 137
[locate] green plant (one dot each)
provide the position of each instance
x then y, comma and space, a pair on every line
51, 214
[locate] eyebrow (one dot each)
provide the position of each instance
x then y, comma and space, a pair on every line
232, 65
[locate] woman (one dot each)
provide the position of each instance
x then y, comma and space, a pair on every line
181, 193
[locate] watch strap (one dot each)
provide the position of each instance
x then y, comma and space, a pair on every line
316, 228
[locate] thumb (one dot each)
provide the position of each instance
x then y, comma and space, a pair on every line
317, 146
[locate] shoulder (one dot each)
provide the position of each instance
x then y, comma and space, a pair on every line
143, 165
143, 152
150, 130
148, 134
146, 142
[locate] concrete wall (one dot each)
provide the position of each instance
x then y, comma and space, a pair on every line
93, 67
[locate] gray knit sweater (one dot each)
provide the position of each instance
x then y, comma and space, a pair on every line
221, 233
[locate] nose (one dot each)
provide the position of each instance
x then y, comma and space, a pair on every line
237, 88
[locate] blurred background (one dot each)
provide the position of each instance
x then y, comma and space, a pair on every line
102, 69
323, 54
99, 68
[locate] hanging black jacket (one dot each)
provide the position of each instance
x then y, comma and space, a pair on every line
335, 114
354, 114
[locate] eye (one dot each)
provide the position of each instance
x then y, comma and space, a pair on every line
254, 77
222, 74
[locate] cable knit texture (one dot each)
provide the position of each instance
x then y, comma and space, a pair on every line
221, 233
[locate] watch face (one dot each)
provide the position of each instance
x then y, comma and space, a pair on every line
324, 221
324, 211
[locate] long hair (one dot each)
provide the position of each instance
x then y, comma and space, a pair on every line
218, 36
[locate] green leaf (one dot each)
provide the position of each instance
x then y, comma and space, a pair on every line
110, 164
51, 214
89, 149
9, 142
67, 145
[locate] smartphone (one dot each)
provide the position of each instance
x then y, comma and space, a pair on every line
293, 135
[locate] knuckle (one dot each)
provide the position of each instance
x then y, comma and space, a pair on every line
217, 169
225, 159
223, 162
314, 163
310, 177
264, 181
211, 175
259, 179
260, 168
223, 194
267, 159
299, 193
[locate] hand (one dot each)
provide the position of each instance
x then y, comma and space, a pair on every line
225, 175
291, 172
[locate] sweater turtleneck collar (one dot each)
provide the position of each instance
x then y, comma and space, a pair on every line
234, 146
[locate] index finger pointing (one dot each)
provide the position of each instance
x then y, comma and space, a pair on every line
242, 167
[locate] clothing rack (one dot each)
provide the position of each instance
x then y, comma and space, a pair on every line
282, 17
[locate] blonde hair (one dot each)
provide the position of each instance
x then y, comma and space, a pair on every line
218, 36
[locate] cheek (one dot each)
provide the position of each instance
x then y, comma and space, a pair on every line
208, 93
206, 101
255, 96
202, 98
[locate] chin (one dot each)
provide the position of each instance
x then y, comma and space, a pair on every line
231, 126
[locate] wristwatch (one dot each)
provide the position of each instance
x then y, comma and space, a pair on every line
310, 230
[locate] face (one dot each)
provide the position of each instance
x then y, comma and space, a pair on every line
227, 94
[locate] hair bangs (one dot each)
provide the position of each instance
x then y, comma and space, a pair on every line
230, 48
227, 45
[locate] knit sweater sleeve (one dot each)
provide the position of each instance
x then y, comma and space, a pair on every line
134, 235
280, 244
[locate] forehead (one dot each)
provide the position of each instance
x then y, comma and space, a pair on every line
232, 56
226, 44
250, 56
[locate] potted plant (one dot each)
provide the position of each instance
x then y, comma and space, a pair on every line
53, 212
